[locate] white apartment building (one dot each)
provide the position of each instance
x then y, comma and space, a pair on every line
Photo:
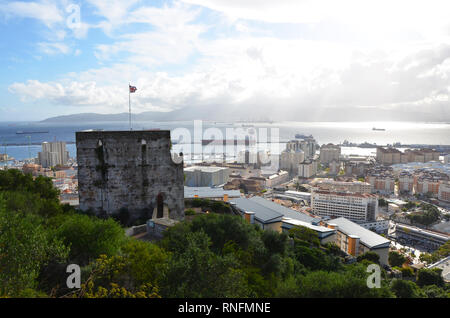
353, 206
53, 154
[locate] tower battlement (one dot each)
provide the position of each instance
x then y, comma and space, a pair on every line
129, 171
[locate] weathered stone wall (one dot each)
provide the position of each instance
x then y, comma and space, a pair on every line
128, 170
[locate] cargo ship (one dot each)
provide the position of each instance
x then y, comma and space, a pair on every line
378, 129
21, 132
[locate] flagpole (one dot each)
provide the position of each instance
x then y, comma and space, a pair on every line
129, 105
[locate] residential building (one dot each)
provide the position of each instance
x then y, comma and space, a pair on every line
328, 153
335, 167
354, 206
415, 156
388, 156
444, 191
307, 169
381, 179
357, 167
290, 159
53, 154
406, 182
412, 167
422, 155
342, 186
428, 182
307, 144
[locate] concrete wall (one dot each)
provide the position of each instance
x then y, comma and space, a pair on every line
273, 226
128, 169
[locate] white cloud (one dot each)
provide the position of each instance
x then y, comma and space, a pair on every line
44, 11
379, 20
52, 48
114, 12
244, 72
172, 40
246, 83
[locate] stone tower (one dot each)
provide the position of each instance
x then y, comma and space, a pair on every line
130, 171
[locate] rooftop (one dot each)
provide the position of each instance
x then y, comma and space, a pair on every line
317, 228
205, 168
437, 235
347, 194
367, 237
266, 210
443, 264
208, 192
389, 150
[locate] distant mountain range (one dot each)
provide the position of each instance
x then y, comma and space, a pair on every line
93, 117
263, 113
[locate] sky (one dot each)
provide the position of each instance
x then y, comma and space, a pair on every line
300, 60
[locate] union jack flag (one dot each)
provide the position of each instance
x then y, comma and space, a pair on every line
132, 88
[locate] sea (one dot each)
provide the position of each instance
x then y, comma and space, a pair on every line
22, 140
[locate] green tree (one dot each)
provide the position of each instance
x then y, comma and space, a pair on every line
15, 180
426, 258
433, 291
89, 237
198, 272
371, 256
352, 283
427, 276
396, 259
303, 233
25, 247
407, 272
109, 278
442, 252
144, 262
382, 202
406, 289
